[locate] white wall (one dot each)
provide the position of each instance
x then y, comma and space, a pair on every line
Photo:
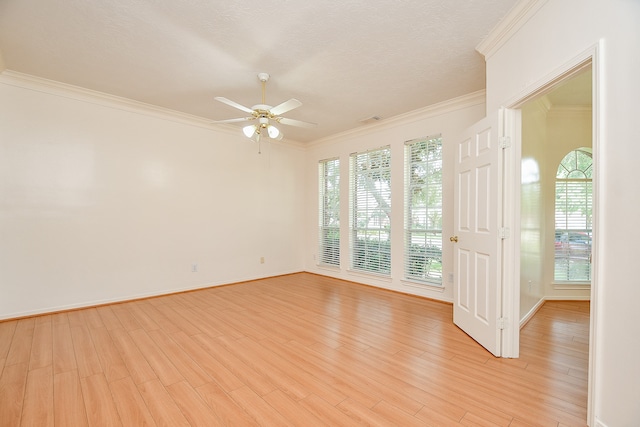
560, 32
532, 200
448, 119
104, 201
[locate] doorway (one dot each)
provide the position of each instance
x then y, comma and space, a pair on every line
573, 92
556, 233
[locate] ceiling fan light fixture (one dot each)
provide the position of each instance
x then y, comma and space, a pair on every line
249, 131
273, 132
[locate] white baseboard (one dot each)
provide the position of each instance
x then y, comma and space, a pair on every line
134, 297
532, 312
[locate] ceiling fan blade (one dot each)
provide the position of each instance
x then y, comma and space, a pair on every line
285, 106
239, 119
233, 104
293, 122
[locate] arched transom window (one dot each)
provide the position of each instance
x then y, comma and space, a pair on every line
573, 213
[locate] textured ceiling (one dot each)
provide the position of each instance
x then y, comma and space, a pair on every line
346, 60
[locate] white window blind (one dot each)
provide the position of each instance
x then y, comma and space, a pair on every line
573, 214
423, 210
370, 211
329, 212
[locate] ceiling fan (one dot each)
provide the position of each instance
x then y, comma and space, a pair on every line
264, 115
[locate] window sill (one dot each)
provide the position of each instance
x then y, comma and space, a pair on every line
328, 267
422, 285
573, 286
377, 276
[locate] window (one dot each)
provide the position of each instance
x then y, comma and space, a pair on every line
423, 210
329, 215
573, 217
370, 211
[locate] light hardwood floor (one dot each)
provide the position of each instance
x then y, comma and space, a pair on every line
301, 350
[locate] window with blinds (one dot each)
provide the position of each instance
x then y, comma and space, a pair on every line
370, 211
573, 214
329, 214
423, 210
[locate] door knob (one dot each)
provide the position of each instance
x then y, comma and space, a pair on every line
454, 239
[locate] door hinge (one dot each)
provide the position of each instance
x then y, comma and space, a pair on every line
505, 142
504, 232
502, 323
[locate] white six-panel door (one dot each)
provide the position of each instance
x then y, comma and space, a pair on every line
476, 241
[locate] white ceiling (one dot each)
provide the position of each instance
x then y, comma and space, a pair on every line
346, 60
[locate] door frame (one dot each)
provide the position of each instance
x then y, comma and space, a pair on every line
511, 252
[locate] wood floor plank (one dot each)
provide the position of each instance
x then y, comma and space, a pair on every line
242, 371
291, 410
131, 406
92, 318
38, 399
12, 386
42, 347
159, 362
20, 349
69, 407
214, 367
272, 367
86, 356
191, 371
298, 349
128, 321
143, 319
99, 405
108, 317
62, 317
195, 409
365, 416
111, 362
153, 317
172, 312
257, 408
137, 365
396, 415
161, 405
7, 330
64, 358
227, 411
322, 410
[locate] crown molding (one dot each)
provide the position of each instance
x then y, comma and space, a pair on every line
508, 26
64, 90
469, 100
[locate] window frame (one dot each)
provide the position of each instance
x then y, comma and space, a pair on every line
418, 259
370, 245
573, 240
329, 213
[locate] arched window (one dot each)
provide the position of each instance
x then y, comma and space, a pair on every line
573, 213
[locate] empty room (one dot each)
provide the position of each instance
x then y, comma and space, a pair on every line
331, 213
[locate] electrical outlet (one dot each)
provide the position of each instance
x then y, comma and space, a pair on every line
194, 267
261, 260
450, 277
